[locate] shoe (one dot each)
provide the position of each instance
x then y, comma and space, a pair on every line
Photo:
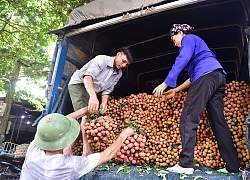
179, 169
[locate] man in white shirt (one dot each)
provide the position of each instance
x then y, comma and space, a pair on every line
44, 158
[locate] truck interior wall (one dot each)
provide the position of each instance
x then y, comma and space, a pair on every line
220, 23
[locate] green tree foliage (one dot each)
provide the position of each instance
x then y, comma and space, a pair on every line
23, 27
24, 43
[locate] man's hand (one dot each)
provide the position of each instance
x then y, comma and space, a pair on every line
128, 131
93, 105
104, 108
158, 91
111, 151
105, 98
170, 93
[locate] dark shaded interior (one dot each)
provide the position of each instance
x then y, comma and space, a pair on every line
220, 23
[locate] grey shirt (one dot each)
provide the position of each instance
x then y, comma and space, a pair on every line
104, 76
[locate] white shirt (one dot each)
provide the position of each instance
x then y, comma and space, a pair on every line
104, 76
38, 166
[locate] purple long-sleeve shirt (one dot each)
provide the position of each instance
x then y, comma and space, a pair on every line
195, 57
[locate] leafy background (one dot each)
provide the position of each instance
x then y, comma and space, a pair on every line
24, 47
23, 38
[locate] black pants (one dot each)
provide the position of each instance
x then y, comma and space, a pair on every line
207, 91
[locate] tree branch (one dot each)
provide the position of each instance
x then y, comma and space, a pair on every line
3, 39
5, 24
12, 24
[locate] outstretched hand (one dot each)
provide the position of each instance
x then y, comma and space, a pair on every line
170, 93
128, 131
103, 108
158, 91
93, 105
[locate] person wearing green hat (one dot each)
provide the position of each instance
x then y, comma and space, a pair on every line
44, 159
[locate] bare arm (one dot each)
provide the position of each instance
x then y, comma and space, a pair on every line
111, 151
171, 93
93, 101
67, 151
183, 86
78, 113
86, 146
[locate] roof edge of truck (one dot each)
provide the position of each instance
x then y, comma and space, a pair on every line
75, 22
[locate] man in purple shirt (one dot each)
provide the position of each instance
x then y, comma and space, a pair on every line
206, 83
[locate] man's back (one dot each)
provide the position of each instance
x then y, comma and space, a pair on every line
39, 166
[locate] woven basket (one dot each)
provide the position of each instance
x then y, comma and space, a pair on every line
21, 150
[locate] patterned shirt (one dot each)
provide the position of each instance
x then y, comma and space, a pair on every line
102, 72
38, 166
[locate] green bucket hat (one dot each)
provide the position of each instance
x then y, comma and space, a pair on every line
56, 131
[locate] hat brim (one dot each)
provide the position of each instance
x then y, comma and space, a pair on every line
64, 141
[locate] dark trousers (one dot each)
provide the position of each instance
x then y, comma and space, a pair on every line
207, 91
